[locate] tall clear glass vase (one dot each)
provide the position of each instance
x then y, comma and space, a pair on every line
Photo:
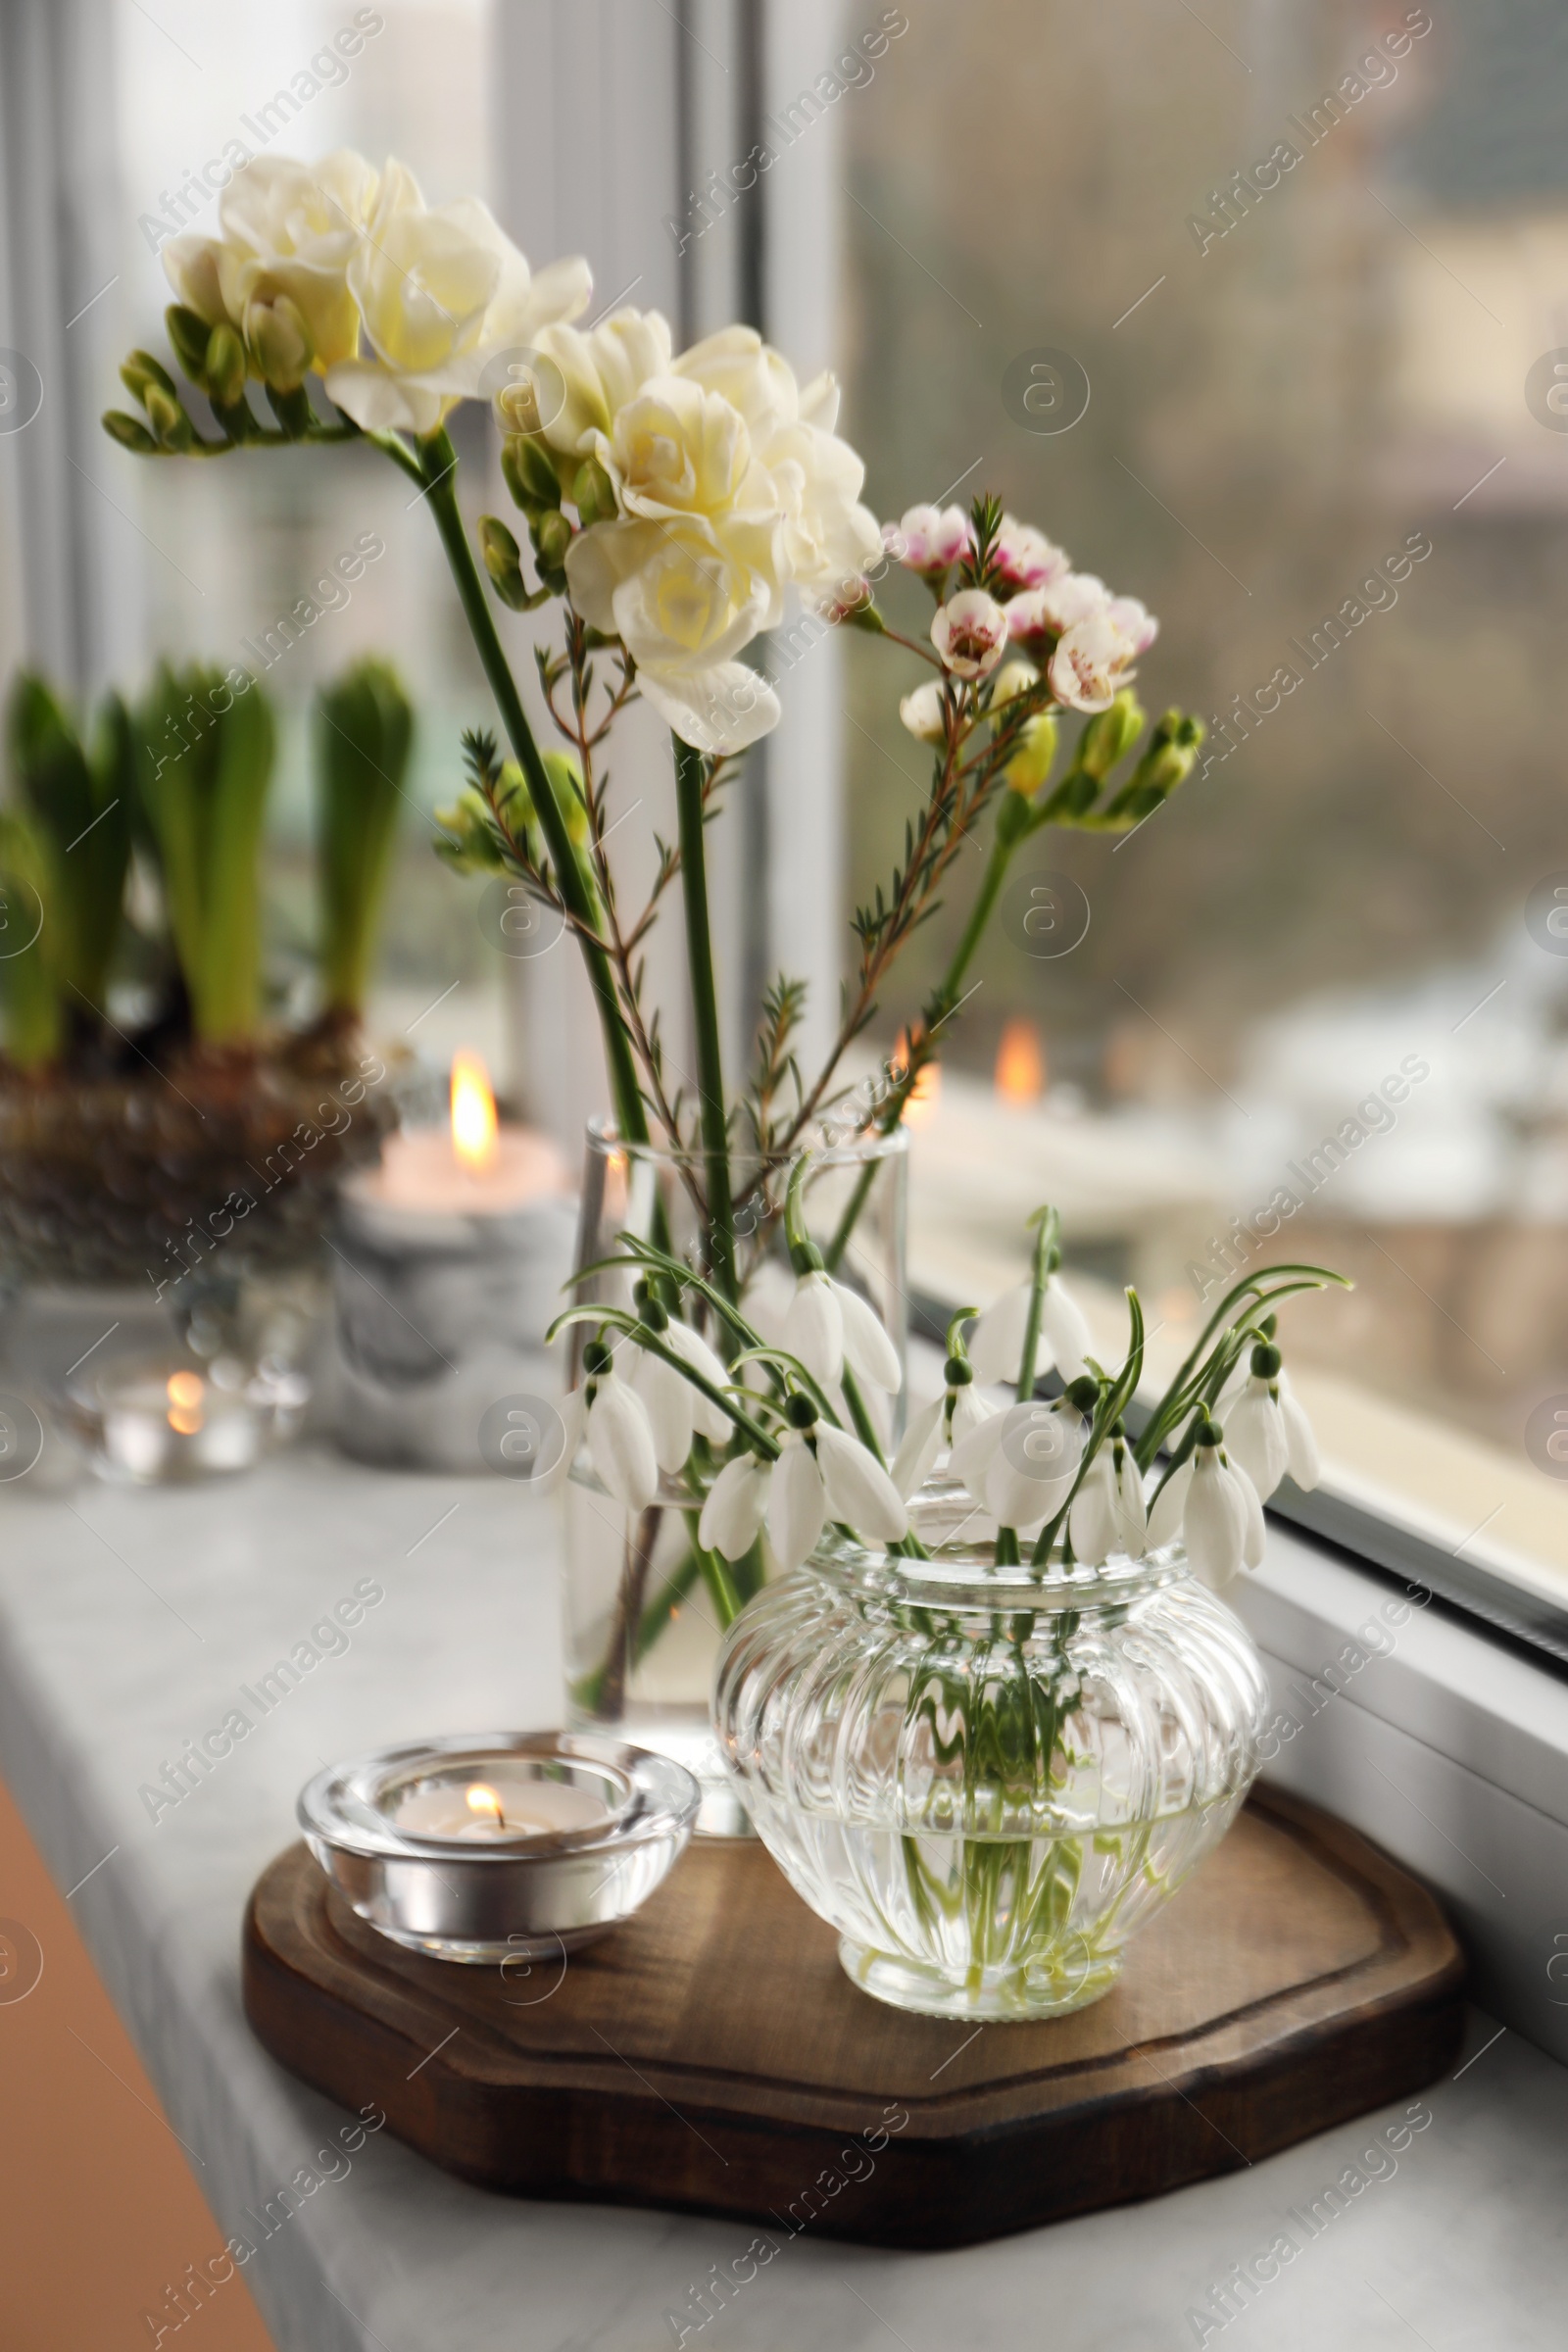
644, 1611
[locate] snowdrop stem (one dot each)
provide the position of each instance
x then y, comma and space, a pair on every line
437, 473
865, 1427
716, 1575
689, 781
1193, 1372
1114, 1398
1005, 1554
1046, 1227
1200, 1421
621, 1320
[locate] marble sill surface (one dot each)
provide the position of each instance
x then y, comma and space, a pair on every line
128, 1622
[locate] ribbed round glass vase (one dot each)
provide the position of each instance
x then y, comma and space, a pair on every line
987, 1779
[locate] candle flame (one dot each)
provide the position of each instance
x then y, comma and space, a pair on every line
482, 1799
474, 1115
1020, 1064
185, 1391
921, 1107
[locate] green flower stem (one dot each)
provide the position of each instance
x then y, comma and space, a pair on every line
943, 1003
705, 1008
436, 470
1040, 1272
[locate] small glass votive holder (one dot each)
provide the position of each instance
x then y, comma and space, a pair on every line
499, 1846
166, 1419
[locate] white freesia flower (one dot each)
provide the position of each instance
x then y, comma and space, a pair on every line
289, 233
948, 1422
827, 1326
921, 712
686, 598
820, 1474
996, 1345
611, 1419
441, 294
599, 370
1212, 1505
970, 633
1107, 1511
930, 538
1090, 665
1019, 1465
676, 1409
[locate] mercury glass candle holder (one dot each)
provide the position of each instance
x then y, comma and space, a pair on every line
501, 1846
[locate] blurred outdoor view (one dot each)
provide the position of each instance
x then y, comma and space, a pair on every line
223, 553
1295, 377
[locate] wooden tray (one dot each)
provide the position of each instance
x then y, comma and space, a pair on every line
711, 2054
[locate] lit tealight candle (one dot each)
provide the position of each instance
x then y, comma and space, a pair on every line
477, 1812
476, 1165
152, 1423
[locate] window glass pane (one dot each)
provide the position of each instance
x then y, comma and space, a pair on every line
1315, 264
230, 560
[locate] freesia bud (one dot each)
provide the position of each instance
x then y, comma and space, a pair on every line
140, 370
279, 342
551, 535
223, 367
503, 560
594, 494
188, 332
167, 418
1110, 736
130, 432
921, 712
528, 472
970, 633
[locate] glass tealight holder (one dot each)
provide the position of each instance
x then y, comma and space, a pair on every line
165, 1418
498, 1846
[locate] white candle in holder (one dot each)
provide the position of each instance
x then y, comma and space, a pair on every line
451, 1258
478, 1812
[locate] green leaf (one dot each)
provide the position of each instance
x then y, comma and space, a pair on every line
365, 732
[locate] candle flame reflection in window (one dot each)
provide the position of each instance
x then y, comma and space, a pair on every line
186, 1391
474, 1115
921, 1107
1020, 1064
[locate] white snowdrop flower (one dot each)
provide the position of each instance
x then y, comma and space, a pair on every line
1254, 1434
676, 1409
827, 1326
1267, 1434
736, 1506
1107, 1511
948, 1422
995, 1344
1304, 1462
1019, 1465
821, 1473
1214, 1507
608, 1417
